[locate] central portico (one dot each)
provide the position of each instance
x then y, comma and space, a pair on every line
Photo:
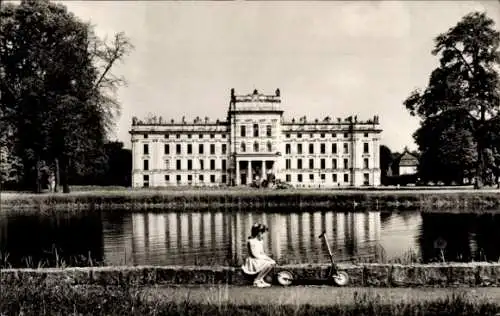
255, 168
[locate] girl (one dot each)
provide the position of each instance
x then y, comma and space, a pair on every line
258, 263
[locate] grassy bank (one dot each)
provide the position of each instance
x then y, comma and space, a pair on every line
425, 199
59, 299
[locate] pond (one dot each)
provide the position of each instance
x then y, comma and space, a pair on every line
219, 237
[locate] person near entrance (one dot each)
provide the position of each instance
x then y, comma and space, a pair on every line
258, 263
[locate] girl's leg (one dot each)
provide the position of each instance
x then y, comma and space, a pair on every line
265, 271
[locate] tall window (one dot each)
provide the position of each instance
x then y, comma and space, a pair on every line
288, 164
268, 130
146, 149
346, 177
166, 149
178, 149
224, 165
346, 164
334, 148
365, 163
190, 149
256, 130
200, 148
212, 149
243, 131
224, 149
190, 164
212, 164
299, 164
146, 164
365, 148
256, 147
243, 147
311, 163
311, 148
299, 148
323, 164
323, 148
202, 165
334, 177
288, 148
299, 178
167, 164
269, 146
346, 148
178, 164
334, 163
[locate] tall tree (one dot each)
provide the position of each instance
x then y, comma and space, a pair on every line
57, 87
464, 90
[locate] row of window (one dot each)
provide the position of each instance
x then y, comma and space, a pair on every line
189, 166
322, 148
256, 128
178, 135
322, 135
288, 163
300, 178
178, 178
189, 149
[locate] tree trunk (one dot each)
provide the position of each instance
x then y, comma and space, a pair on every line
64, 175
38, 186
57, 175
480, 167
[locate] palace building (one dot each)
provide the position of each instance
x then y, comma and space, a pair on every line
253, 144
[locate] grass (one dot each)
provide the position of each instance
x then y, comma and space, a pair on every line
61, 299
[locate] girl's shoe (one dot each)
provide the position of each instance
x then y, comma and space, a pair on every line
261, 283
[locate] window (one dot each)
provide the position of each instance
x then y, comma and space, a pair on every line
366, 178
299, 135
178, 164
287, 135
322, 135
346, 148
288, 163
200, 136
190, 177
311, 176
269, 146
243, 147
200, 148
323, 177
334, 177
167, 178
189, 135
178, 149
212, 149
145, 180
212, 164
366, 135
334, 135
323, 148
177, 135
178, 178
299, 178
190, 149
299, 164
223, 135
224, 166
311, 135
334, 163
202, 166
167, 164
201, 178
224, 149
212, 178
365, 163
346, 135
256, 130
256, 147
145, 164
323, 163
346, 164
166, 149
365, 148
190, 164
311, 148
299, 148
311, 163
145, 135
268, 130
288, 178
334, 148
146, 149
224, 178
166, 136
346, 177
243, 131
288, 148
212, 135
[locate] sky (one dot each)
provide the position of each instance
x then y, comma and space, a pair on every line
328, 58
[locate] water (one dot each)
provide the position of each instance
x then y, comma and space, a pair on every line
219, 237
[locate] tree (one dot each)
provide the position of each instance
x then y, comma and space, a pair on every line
463, 92
385, 163
57, 87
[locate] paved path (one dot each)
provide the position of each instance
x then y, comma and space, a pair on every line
313, 295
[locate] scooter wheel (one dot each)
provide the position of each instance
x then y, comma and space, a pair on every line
341, 278
284, 278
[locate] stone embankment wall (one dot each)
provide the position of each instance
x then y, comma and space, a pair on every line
375, 275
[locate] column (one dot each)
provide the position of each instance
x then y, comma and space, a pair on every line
249, 172
237, 175
263, 169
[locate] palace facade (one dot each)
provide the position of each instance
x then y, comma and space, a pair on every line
255, 143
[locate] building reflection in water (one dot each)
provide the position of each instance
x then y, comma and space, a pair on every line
198, 238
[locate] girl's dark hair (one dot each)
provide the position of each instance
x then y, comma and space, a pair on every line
257, 228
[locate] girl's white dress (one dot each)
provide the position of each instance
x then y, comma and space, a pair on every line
257, 258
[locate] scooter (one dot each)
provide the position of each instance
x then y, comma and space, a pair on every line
340, 278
